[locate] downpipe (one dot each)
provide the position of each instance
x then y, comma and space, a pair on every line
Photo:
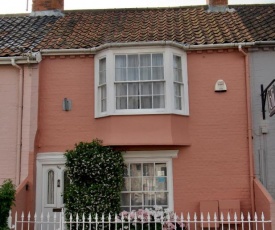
19, 122
249, 129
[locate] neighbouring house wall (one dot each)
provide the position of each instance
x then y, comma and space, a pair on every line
213, 164
10, 129
262, 72
9, 84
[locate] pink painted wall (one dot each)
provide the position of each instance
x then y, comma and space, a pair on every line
213, 161
216, 165
264, 203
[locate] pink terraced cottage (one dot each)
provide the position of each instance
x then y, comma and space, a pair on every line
169, 86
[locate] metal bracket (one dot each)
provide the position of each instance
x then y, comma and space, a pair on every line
263, 96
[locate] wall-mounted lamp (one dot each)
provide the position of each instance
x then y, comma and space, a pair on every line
67, 104
220, 86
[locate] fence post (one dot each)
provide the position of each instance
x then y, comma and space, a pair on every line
10, 220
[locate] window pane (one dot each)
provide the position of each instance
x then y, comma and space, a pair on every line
148, 184
133, 74
177, 88
161, 183
103, 97
125, 199
135, 169
178, 103
158, 88
120, 61
157, 73
178, 75
145, 73
126, 185
177, 69
50, 192
157, 59
103, 92
133, 60
133, 103
102, 78
148, 169
121, 75
158, 102
145, 60
177, 62
102, 71
136, 184
160, 169
149, 199
121, 89
121, 103
133, 89
146, 88
146, 102
103, 105
161, 198
136, 199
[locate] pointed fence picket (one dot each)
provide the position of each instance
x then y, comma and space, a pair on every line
81, 222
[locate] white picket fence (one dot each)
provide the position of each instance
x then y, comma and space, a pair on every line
58, 222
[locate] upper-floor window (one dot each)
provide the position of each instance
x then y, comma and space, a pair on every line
135, 81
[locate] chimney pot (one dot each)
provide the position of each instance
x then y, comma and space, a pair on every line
46, 5
218, 6
217, 2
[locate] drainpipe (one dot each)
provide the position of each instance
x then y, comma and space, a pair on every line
249, 128
19, 122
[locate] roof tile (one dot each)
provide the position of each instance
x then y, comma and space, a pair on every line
91, 28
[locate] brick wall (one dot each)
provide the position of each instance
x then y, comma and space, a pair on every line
41, 5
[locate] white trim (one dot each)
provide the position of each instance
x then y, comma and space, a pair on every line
151, 154
168, 53
44, 159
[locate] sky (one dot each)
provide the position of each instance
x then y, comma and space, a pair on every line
24, 6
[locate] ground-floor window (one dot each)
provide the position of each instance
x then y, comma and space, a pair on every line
148, 180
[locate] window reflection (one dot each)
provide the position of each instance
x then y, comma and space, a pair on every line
50, 193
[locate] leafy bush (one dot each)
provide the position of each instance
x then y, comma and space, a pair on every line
96, 179
7, 198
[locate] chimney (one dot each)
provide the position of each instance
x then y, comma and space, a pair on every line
217, 2
218, 6
47, 7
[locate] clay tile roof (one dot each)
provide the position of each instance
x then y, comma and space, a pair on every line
92, 28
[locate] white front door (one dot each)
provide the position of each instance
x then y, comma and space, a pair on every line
50, 183
53, 188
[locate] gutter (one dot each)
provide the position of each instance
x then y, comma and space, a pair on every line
29, 58
19, 121
94, 50
249, 129
37, 57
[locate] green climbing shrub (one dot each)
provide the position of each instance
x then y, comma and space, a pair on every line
7, 198
96, 179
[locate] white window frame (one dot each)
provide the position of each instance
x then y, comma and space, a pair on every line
158, 156
168, 53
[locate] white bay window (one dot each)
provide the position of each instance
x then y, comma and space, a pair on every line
135, 81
